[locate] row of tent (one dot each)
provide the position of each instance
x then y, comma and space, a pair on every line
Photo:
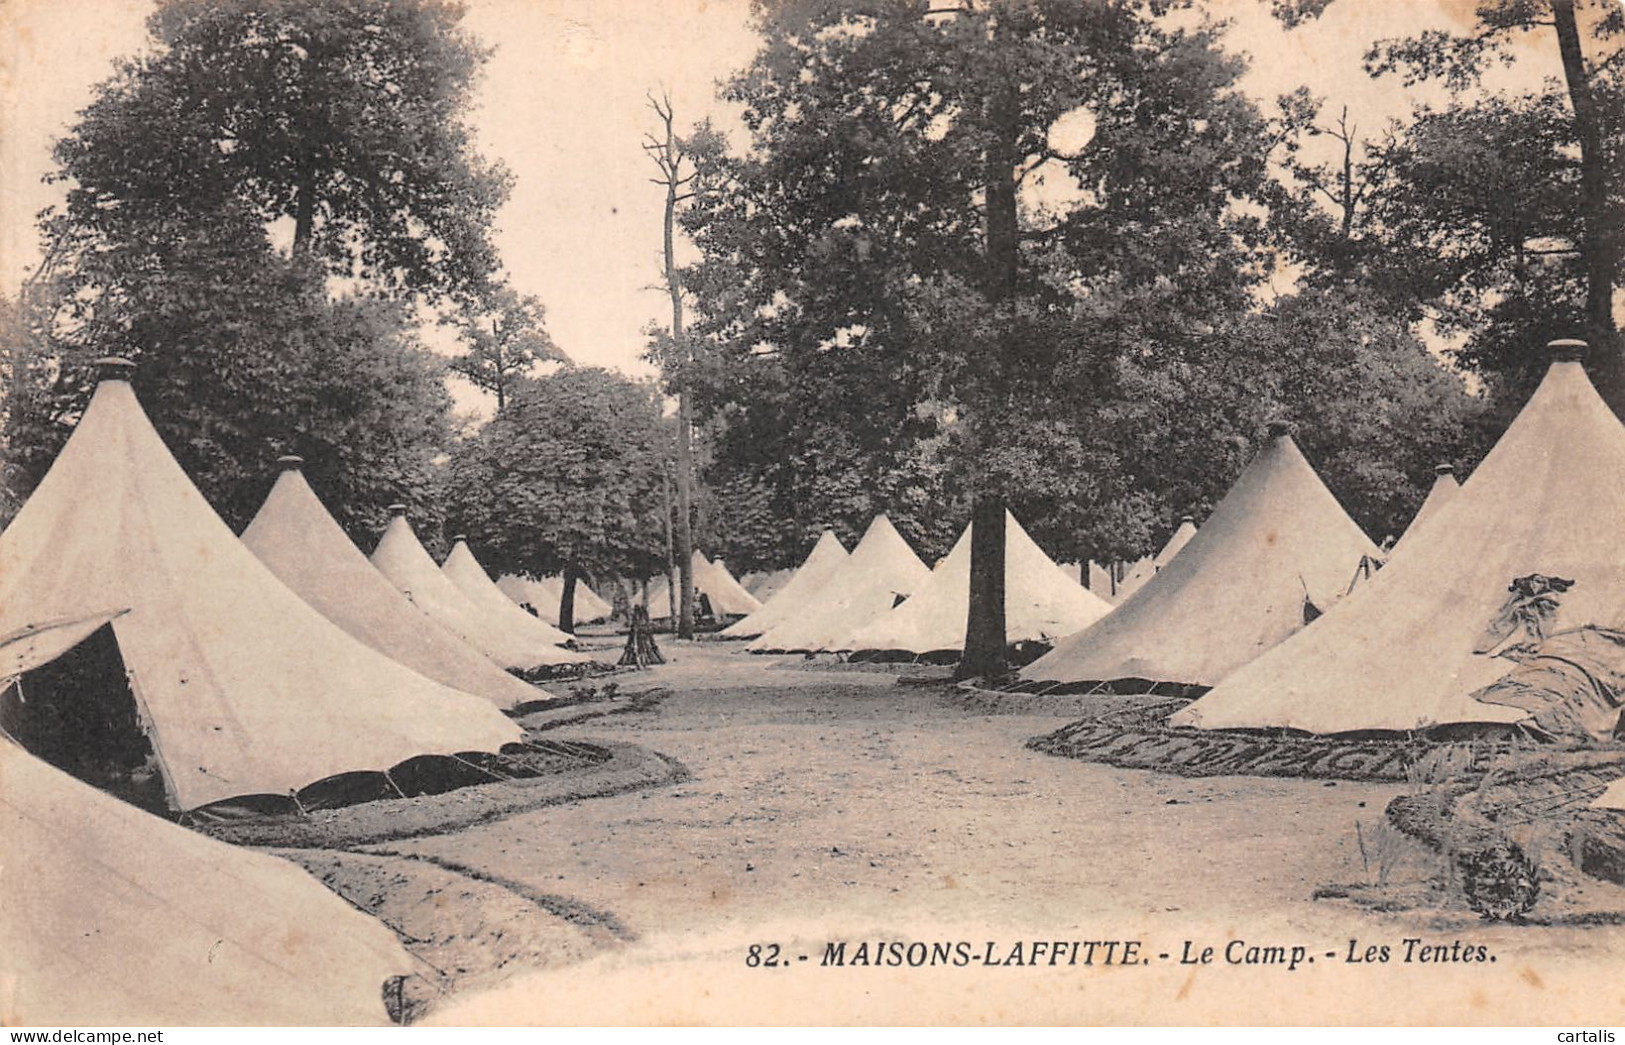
545, 596
725, 595
1467, 601
1116, 583
882, 597
259, 666
1285, 615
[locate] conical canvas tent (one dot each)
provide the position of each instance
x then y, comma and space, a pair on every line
661, 593
1182, 536
1041, 603
1134, 577
1276, 550
546, 594
1442, 493
295, 537
728, 597
590, 607
1416, 642
766, 585
881, 571
798, 592
400, 557
1443, 489
1100, 582
477, 586
528, 591
242, 686
116, 917
1144, 569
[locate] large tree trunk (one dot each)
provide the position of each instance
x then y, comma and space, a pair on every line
685, 529
500, 382
985, 638
984, 629
670, 162
671, 561
1601, 252
304, 215
567, 600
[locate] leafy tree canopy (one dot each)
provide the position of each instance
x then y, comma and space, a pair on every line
252, 210
345, 120
505, 335
862, 355
568, 477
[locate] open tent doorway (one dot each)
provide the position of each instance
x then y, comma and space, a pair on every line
78, 712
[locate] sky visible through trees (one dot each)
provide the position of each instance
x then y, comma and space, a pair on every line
1068, 257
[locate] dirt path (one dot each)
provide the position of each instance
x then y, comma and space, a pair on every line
828, 806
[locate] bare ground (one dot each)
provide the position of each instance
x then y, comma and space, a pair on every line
839, 805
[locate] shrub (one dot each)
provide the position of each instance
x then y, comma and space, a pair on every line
1498, 879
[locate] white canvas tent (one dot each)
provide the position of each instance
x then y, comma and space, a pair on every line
728, 597
242, 686
1277, 544
1100, 582
1145, 568
296, 538
500, 611
545, 596
590, 607
400, 557
1182, 536
116, 917
1403, 652
1041, 603
1443, 489
1134, 577
881, 571
1442, 492
661, 592
798, 592
528, 591
1613, 798
765, 585
724, 593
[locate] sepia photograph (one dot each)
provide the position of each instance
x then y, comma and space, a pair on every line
803, 513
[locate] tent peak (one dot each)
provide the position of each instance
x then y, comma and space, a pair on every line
1183, 519
397, 511
459, 538
1567, 349
1278, 427
113, 368
290, 462
1444, 469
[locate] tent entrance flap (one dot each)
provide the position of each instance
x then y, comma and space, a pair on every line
77, 711
24, 650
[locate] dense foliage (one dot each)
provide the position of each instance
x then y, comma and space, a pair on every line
253, 208
868, 352
1043, 250
566, 479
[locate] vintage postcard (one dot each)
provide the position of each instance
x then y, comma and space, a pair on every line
806, 512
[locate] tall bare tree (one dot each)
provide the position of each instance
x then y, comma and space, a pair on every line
666, 149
